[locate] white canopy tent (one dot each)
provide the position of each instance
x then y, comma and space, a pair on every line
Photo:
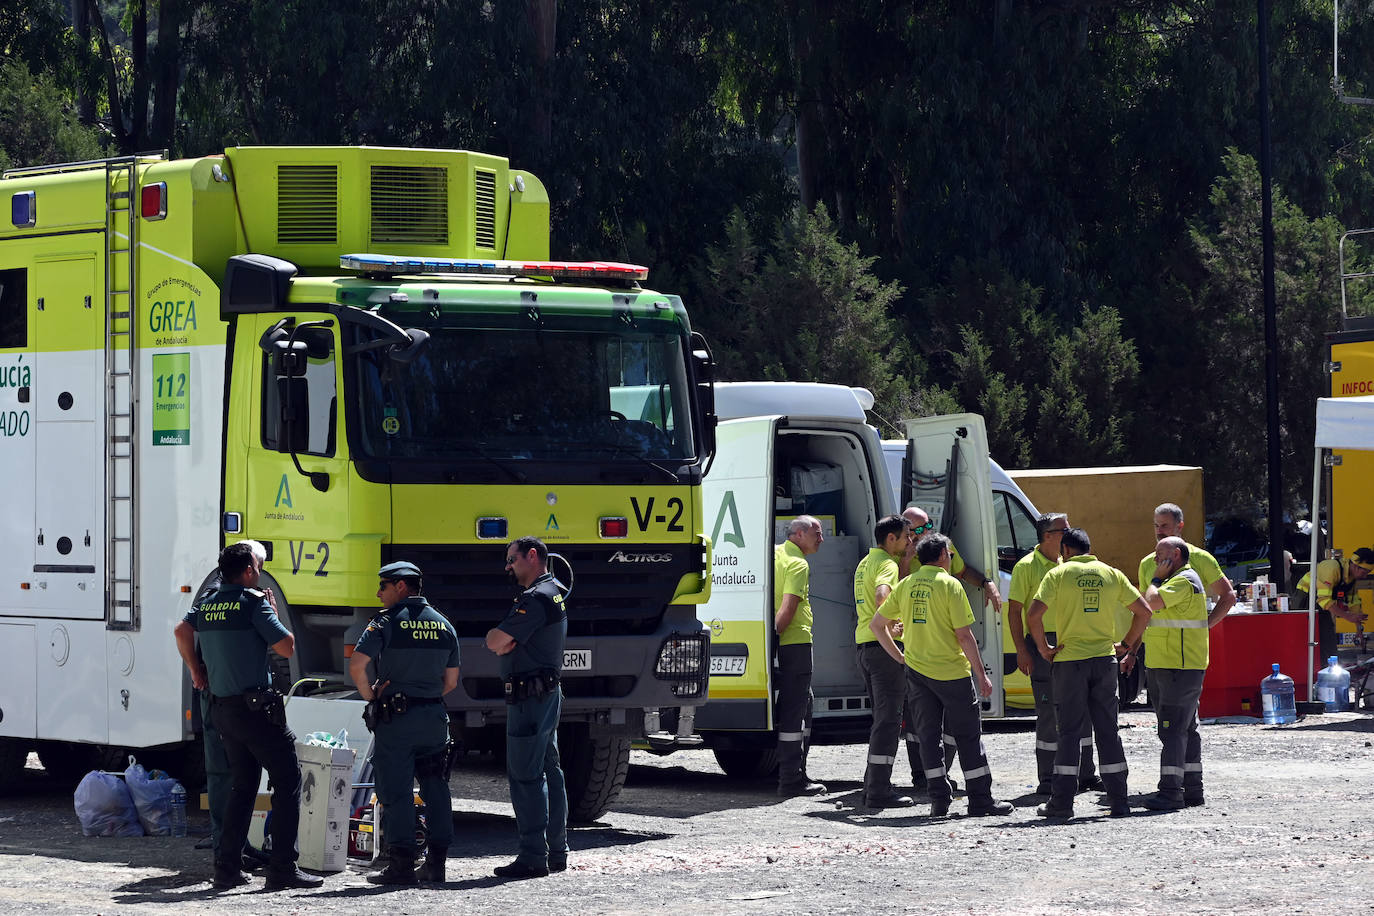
1342, 423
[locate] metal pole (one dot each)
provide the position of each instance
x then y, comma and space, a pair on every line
1271, 325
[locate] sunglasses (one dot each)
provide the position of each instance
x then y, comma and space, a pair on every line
385, 582
917, 529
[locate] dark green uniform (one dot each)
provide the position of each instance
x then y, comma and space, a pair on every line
236, 625
412, 644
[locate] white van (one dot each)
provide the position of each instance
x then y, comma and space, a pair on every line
791, 448
1015, 520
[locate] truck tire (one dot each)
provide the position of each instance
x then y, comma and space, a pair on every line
14, 755
747, 762
67, 762
594, 769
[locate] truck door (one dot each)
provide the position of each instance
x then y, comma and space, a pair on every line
68, 532
1352, 522
947, 475
738, 500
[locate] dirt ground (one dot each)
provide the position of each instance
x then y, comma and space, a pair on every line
1288, 828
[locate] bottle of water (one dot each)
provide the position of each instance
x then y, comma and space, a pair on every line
1333, 686
1276, 693
178, 810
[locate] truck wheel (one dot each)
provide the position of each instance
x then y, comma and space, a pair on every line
14, 755
747, 762
68, 762
594, 769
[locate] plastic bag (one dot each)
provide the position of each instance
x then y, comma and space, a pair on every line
152, 797
105, 807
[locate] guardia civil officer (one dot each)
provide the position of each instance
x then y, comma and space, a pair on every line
1081, 595
940, 654
416, 651
236, 625
218, 776
530, 642
1026, 577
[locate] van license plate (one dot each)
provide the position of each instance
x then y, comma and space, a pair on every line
577, 659
728, 665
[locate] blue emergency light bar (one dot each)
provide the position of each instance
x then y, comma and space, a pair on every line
578, 270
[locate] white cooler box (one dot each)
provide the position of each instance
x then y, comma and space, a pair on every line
326, 792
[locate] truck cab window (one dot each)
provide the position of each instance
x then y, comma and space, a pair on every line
14, 308
313, 397
1015, 531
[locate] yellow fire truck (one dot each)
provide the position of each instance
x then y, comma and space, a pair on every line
353, 355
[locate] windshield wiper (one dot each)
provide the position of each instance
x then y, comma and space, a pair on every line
620, 449
517, 476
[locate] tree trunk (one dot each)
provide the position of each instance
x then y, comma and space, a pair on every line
810, 137
166, 74
117, 124
542, 16
138, 103
81, 25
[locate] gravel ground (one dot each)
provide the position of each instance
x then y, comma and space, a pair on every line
1287, 829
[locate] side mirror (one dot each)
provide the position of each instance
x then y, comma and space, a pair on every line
704, 372
408, 353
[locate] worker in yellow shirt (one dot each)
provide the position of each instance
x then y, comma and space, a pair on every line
1080, 596
792, 623
1176, 656
884, 678
1336, 594
941, 654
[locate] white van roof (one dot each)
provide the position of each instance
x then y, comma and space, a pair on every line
809, 400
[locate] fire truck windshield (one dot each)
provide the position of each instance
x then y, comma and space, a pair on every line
571, 391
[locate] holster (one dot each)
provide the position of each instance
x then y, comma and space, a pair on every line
534, 686
269, 702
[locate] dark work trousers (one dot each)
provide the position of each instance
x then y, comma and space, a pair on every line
250, 742
913, 744
1174, 694
885, 680
219, 779
1326, 632
412, 747
950, 707
792, 718
538, 792
1046, 728
1084, 698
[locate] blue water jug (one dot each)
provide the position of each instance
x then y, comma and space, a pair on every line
1276, 694
1333, 686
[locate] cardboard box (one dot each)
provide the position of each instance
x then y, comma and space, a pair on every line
326, 788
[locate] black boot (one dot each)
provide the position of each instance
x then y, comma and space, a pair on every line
400, 869
432, 870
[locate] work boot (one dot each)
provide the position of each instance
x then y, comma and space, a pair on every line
1044, 788
400, 869
228, 880
432, 870
801, 787
1120, 808
518, 869
1158, 801
291, 880
1091, 783
556, 865
1194, 801
887, 799
939, 807
989, 806
1054, 812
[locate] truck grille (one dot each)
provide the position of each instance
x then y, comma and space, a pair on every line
611, 597
484, 204
307, 204
409, 204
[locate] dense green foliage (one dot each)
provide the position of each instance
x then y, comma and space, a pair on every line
1044, 212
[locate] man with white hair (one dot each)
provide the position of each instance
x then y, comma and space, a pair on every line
792, 623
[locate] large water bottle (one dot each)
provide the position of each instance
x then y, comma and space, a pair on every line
1333, 686
1276, 693
178, 810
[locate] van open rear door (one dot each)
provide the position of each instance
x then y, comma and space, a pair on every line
946, 474
738, 499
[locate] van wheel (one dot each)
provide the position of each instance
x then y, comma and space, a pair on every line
747, 762
594, 769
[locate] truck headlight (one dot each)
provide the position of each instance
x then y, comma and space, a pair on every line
682, 660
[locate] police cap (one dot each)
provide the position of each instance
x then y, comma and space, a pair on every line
399, 570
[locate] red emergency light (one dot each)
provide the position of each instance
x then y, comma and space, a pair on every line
152, 200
